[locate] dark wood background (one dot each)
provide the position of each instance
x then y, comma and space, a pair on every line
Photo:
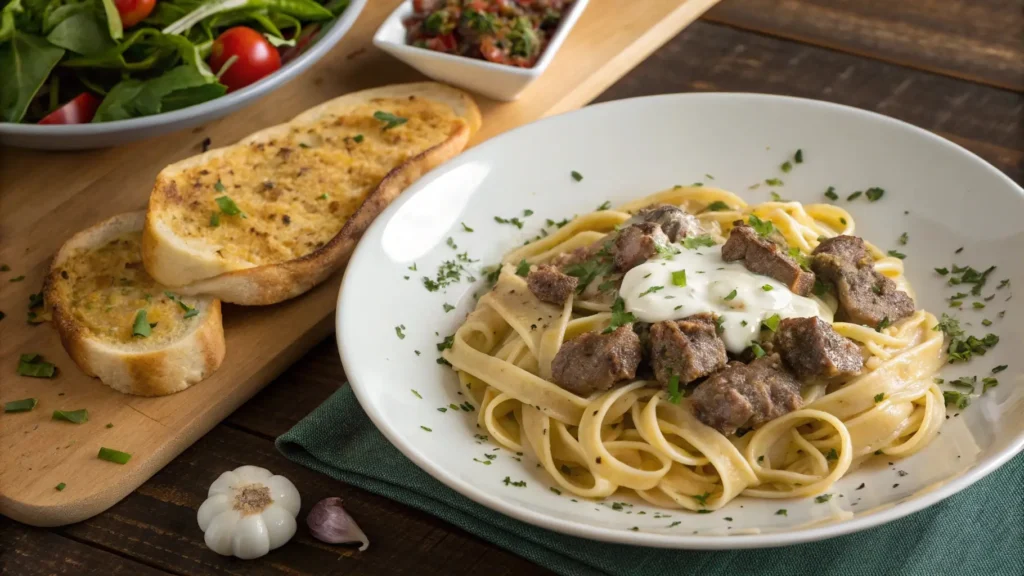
955, 67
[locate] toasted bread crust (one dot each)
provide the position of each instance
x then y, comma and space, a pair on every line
142, 371
169, 258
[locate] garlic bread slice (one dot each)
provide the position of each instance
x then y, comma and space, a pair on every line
268, 218
122, 326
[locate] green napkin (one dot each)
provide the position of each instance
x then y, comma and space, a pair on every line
978, 531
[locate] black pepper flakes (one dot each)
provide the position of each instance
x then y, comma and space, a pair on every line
286, 219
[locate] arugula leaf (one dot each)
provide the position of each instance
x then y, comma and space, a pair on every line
25, 63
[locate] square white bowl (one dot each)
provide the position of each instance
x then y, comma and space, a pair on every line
497, 81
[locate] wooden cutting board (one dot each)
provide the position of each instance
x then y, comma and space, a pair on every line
46, 197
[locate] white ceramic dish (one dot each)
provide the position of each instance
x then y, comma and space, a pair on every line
100, 135
487, 78
941, 195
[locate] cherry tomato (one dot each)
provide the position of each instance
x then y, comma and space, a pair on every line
444, 43
133, 11
79, 110
256, 57
490, 51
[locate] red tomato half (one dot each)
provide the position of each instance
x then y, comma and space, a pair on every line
133, 11
256, 57
79, 110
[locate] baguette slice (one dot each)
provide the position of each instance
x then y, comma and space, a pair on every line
268, 218
97, 286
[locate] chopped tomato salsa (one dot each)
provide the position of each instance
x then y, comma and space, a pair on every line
513, 32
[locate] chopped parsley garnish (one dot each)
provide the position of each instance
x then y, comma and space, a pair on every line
390, 120
781, 512
957, 399
831, 193
896, 254
576, 176
820, 288
968, 275
189, 311
451, 243
961, 347
823, 498
115, 456
666, 251
885, 323
466, 228
398, 330
832, 454
323, 196
1003, 284
701, 499
619, 316
762, 227
448, 307
854, 196
219, 187
33, 366
757, 350
771, 322
988, 382
358, 138
966, 382
448, 273
604, 206
717, 206
702, 241
24, 405
879, 397
446, 343
228, 207
60, 487
427, 429
141, 327
679, 278
523, 268
942, 271
651, 290
903, 239
674, 396
413, 267
17, 278
873, 194
73, 416
986, 322
774, 182
767, 287
513, 221
589, 270
978, 305
5, 268
518, 484
999, 368
730, 296
799, 156
214, 219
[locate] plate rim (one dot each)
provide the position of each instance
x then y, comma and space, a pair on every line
770, 539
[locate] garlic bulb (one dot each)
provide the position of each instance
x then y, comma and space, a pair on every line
249, 512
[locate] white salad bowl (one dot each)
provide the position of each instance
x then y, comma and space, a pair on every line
497, 81
942, 196
103, 134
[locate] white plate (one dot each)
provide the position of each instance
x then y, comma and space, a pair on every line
636, 147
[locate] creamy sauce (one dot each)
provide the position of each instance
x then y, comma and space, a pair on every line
710, 282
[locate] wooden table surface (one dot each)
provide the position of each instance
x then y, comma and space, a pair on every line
955, 67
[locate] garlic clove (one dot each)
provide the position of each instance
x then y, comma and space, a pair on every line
211, 508
225, 483
329, 522
220, 532
280, 525
250, 539
284, 493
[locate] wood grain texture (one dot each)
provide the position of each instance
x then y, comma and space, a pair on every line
977, 40
48, 196
709, 57
28, 551
157, 524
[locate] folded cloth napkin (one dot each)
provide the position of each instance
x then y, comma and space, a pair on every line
978, 531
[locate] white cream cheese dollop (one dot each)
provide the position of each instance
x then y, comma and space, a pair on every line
710, 282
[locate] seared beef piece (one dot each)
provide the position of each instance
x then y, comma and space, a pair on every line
746, 395
865, 296
549, 284
811, 348
592, 362
675, 222
762, 256
636, 243
689, 348
578, 255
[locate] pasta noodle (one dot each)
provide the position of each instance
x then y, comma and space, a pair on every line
632, 437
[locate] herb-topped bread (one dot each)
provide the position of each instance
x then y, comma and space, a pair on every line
268, 218
122, 326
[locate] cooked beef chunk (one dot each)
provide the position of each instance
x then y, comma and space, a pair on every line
812, 349
675, 222
743, 395
549, 284
762, 256
636, 243
865, 296
689, 348
581, 254
592, 362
